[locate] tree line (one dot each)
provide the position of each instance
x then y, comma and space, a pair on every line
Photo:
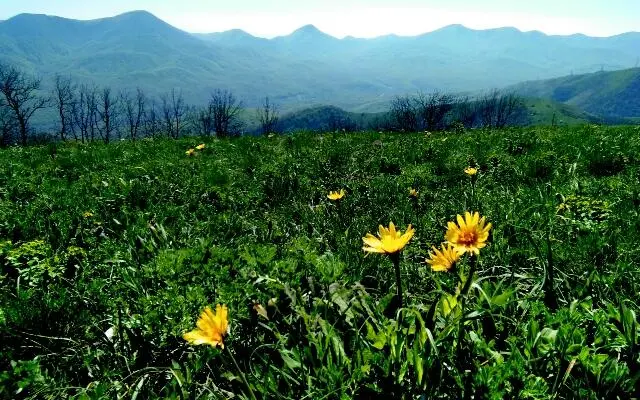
440, 111
86, 112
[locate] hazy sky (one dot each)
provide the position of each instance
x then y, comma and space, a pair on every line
361, 18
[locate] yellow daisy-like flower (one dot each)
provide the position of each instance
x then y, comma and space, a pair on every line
200, 146
190, 152
444, 259
87, 214
413, 192
336, 195
211, 327
389, 240
470, 234
471, 171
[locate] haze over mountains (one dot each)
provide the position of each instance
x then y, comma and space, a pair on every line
307, 67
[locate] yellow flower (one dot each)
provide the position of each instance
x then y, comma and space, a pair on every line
390, 241
444, 260
336, 195
87, 214
211, 327
190, 152
413, 192
470, 234
471, 171
200, 146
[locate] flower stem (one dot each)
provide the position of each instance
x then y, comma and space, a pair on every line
472, 271
463, 303
395, 258
244, 378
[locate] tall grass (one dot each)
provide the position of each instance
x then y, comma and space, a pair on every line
110, 252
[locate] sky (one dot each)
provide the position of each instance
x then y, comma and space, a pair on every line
359, 18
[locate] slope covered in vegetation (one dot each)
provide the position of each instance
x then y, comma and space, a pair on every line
109, 254
613, 94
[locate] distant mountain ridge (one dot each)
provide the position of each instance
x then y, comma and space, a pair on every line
305, 68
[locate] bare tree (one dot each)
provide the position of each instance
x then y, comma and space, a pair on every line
134, 110
204, 120
167, 118
497, 110
432, 109
63, 96
107, 113
21, 97
465, 111
178, 109
509, 110
152, 124
173, 111
403, 114
226, 113
85, 111
487, 107
8, 127
268, 116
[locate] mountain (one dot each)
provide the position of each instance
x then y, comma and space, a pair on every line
232, 38
614, 94
302, 69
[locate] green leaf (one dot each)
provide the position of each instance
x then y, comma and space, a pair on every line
502, 299
289, 361
418, 362
379, 339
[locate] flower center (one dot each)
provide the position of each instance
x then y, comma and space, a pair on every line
467, 238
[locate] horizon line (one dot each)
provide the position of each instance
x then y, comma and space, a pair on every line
311, 25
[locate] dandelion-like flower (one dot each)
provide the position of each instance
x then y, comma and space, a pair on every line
389, 240
200, 146
87, 214
190, 152
470, 234
413, 192
336, 195
212, 327
445, 258
471, 171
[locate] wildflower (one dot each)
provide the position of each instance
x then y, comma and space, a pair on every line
211, 327
336, 195
200, 146
471, 171
444, 259
190, 152
390, 241
413, 192
471, 233
87, 214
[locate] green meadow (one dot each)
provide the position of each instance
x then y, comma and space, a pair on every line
109, 254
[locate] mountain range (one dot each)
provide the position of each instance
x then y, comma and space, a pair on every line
307, 67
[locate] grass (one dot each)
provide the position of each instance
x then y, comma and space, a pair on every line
110, 252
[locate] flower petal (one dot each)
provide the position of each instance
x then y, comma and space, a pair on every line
461, 222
